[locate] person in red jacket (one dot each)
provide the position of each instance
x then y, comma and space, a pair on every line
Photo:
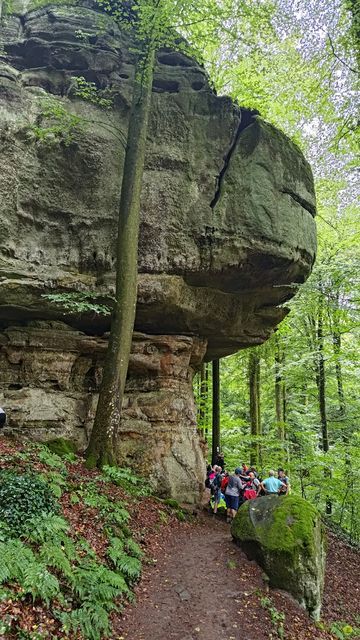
224, 482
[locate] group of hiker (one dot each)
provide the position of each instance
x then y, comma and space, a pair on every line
244, 484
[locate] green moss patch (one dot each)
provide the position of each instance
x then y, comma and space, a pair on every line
289, 522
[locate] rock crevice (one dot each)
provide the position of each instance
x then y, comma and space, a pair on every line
245, 120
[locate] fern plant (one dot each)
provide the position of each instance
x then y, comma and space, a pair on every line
20, 564
133, 484
51, 459
48, 561
133, 548
113, 512
91, 620
56, 481
94, 581
129, 566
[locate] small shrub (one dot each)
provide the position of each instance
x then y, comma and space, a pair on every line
170, 502
21, 498
61, 447
277, 617
344, 631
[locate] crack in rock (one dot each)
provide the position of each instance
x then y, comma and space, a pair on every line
247, 118
301, 201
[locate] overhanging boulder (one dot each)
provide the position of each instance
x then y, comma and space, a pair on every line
227, 228
286, 537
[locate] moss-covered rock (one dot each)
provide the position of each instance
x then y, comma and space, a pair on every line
285, 536
61, 447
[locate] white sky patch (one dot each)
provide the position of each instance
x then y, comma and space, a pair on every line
312, 128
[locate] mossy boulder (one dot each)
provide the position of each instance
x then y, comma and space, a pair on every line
286, 537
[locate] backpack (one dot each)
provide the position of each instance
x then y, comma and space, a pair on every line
249, 492
215, 483
224, 483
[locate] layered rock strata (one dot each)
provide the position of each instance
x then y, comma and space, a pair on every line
50, 377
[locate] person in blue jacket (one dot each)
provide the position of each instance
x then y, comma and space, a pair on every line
271, 485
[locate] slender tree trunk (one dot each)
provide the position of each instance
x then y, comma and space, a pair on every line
102, 447
336, 337
216, 409
207, 408
338, 370
254, 397
321, 385
279, 393
202, 396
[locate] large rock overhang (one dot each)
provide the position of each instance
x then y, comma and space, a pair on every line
216, 267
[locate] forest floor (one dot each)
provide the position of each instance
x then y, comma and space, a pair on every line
202, 586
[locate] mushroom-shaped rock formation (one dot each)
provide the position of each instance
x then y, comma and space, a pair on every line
226, 233
286, 537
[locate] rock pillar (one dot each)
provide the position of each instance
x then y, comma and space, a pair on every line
49, 387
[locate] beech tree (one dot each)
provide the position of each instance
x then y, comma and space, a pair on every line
254, 406
215, 409
147, 17
152, 24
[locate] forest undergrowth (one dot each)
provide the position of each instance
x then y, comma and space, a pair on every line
83, 552
72, 543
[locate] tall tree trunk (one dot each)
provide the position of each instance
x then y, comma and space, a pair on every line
102, 448
279, 393
207, 408
321, 385
203, 396
216, 409
336, 337
254, 397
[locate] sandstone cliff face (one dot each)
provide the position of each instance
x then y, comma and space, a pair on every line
203, 270
227, 203
50, 375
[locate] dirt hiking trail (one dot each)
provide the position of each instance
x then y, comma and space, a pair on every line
202, 586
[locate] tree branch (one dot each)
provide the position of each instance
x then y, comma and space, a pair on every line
338, 57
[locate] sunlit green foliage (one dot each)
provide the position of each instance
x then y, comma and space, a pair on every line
303, 77
78, 302
89, 92
55, 123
